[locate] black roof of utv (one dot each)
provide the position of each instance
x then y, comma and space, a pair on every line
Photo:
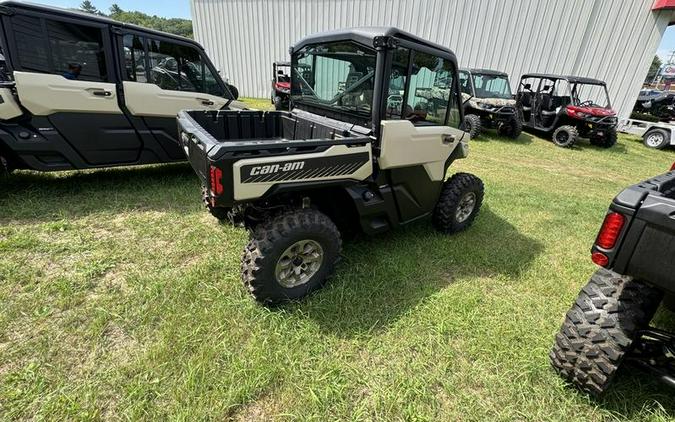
366, 35
88, 16
573, 79
485, 71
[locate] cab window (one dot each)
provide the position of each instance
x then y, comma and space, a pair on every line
431, 97
397, 81
50, 46
171, 66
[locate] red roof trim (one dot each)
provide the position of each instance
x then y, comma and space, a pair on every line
663, 4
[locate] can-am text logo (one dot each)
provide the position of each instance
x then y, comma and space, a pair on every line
275, 168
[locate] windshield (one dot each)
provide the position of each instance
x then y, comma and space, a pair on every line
590, 95
491, 86
337, 75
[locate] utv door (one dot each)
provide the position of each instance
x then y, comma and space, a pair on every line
416, 141
63, 69
162, 77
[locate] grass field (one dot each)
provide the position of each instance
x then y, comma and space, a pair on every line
120, 299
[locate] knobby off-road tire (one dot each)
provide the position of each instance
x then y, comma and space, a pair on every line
278, 103
472, 125
607, 140
219, 212
512, 128
600, 329
271, 243
5, 168
458, 204
565, 136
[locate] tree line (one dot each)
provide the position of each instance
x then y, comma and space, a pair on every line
176, 26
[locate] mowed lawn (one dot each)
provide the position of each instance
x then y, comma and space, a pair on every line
120, 298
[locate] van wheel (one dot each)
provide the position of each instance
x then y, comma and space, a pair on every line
472, 125
656, 138
607, 140
565, 136
459, 203
290, 256
600, 329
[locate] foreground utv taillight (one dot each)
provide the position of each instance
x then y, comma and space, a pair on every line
672, 167
610, 231
216, 181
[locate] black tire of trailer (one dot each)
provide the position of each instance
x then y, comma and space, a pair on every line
600, 329
456, 191
271, 240
472, 125
656, 138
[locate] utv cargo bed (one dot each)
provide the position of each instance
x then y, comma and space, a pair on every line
242, 154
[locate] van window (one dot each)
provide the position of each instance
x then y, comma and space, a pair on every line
51, 46
180, 68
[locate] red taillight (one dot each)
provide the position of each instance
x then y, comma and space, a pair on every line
672, 167
600, 259
216, 181
610, 231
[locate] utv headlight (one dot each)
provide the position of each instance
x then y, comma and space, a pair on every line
484, 106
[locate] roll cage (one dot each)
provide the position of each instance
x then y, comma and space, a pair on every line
572, 88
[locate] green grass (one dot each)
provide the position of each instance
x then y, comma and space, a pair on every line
120, 299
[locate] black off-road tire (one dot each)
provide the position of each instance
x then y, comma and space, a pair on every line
234, 91
268, 242
600, 329
656, 139
565, 136
455, 189
607, 140
512, 128
5, 168
278, 103
472, 125
219, 212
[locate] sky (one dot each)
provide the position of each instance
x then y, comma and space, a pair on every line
164, 8
667, 44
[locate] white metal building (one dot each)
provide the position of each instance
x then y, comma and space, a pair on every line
613, 40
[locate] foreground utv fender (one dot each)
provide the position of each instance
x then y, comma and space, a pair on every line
600, 329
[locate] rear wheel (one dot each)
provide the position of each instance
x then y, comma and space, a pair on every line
472, 125
600, 329
290, 256
278, 103
511, 128
565, 136
606, 140
656, 138
459, 203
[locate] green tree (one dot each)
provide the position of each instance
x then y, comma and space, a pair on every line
88, 6
654, 69
176, 26
115, 9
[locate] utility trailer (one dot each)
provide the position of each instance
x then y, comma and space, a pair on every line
656, 135
609, 323
361, 150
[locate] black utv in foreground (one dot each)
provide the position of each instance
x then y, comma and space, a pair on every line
489, 103
567, 107
362, 149
83, 91
609, 323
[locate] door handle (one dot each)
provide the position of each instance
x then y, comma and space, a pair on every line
102, 93
448, 139
205, 101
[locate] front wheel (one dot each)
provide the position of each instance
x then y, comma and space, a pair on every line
656, 138
606, 140
290, 256
472, 125
600, 329
565, 136
511, 128
459, 203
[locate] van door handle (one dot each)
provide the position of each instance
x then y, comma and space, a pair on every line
448, 139
102, 93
